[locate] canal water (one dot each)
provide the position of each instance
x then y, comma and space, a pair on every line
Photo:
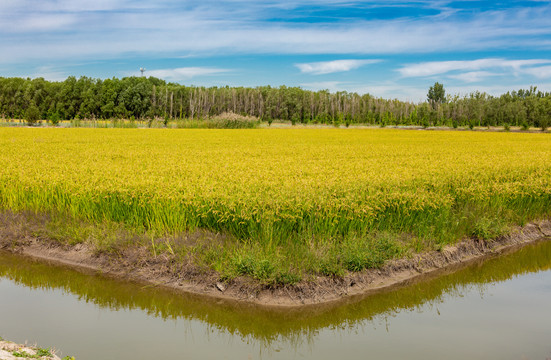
499, 308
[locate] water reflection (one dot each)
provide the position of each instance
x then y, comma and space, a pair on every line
273, 330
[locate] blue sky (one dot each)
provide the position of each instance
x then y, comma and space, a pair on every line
392, 49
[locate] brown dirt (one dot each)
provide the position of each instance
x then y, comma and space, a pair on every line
13, 351
138, 264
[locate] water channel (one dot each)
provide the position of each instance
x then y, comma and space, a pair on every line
499, 308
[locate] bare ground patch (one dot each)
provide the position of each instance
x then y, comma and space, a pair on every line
13, 351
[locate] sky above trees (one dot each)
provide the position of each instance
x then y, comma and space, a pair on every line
392, 49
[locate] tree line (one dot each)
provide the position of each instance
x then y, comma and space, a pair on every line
153, 98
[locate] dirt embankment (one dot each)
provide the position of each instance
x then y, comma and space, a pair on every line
13, 351
138, 264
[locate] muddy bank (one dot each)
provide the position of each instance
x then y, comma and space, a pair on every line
13, 351
138, 264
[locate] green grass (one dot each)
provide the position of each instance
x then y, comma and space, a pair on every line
39, 354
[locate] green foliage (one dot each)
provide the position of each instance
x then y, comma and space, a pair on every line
22, 354
331, 267
150, 98
261, 269
543, 123
269, 120
75, 122
40, 353
357, 254
287, 278
436, 94
54, 118
222, 121
524, 126
244, 265
264, 269
486, 229
32, 114
43, 352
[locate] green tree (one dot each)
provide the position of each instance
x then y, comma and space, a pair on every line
54, 118
32, 114
436, 95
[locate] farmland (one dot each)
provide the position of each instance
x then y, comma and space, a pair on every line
289, 204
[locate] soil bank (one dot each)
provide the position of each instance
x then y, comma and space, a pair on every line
137, 265
13, 351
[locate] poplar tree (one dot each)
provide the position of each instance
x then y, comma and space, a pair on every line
436, 95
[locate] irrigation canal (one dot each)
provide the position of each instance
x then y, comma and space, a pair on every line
499, 308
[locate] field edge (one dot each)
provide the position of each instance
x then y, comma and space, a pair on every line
139, 265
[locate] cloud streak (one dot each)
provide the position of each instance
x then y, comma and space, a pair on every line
473, 76
112, 29
471, 71
415, 93
184, 73
540, 72
329, 67
387, 90
442, 67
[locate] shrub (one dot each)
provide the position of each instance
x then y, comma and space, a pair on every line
55, 118
230, 120
32, 115
524, 126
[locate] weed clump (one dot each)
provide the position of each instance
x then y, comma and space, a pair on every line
226, 120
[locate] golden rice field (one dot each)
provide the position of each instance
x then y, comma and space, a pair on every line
295, 202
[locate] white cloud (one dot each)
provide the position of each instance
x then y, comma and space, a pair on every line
387, 90
442, 67
473, 71
328, 67
495, 90
107, 29
37, 23
541, 72
473, 76
184, 73
49, 73
59, 6
332, 86
415, 94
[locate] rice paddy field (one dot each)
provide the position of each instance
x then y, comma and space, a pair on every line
279, 205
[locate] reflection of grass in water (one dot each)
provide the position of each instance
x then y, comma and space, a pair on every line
272, 327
